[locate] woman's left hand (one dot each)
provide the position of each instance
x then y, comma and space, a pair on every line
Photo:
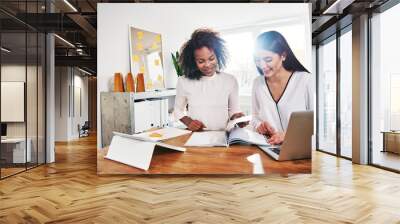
277, 138
238, 115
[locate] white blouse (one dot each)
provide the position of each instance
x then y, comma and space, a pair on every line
297, 96
212, 100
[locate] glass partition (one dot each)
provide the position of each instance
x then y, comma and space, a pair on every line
23, 88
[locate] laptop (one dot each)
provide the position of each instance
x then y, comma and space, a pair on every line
297, 143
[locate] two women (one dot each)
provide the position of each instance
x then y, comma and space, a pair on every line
284, 85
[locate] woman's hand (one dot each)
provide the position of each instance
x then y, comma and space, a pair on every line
238, 115
193, 125
196, 125
265, 128
277, 138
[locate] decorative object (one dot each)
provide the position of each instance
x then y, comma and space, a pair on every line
118, 82
175, 60
146, 58
130, 83
140, 83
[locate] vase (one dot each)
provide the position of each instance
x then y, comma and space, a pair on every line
118, 82
130, 83
140, 83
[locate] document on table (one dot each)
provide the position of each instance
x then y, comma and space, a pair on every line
222, 138
207, 139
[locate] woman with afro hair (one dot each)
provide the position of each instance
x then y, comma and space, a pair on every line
210, 96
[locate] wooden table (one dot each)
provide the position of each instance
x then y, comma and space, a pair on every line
237, 159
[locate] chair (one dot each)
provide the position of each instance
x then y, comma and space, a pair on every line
84, 130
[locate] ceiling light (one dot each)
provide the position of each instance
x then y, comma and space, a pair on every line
84, 71
64, 40
70, 5
337, 7
5, 50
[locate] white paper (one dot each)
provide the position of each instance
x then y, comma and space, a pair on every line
131, 152
161, 134
231, 124
207, 139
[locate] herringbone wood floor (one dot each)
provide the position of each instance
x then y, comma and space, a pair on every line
69, 191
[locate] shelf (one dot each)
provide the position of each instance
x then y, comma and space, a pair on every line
154, 94
145, 95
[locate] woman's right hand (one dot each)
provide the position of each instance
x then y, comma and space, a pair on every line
265, 128
196, 125
193, 125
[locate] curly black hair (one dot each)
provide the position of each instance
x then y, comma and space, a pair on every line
200, 38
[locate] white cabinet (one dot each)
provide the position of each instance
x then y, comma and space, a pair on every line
133, 112
149, 114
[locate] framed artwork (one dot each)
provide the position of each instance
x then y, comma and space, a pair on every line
146, 57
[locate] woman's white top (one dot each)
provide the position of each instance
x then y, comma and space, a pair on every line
212, 100
297, 96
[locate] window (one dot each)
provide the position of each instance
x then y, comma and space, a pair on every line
346, 94
327, 97
385, 89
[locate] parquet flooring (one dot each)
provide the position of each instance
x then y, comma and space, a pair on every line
69, 191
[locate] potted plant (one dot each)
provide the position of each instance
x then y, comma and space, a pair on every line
175, 60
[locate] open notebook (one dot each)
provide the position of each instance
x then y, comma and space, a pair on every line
127, 150
225, 138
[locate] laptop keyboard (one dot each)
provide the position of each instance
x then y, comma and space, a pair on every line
276, 150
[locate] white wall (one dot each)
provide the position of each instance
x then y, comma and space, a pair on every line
176, 22
82, 83
61, 103
12, 73
66, 120
33, 125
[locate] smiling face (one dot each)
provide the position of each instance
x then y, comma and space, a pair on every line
206, 61
270, 63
